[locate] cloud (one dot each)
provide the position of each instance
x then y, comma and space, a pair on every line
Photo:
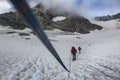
86, 8
4, 6
32, 3
92, 8
59, 5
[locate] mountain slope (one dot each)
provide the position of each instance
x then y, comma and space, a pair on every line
108, 17
45, 17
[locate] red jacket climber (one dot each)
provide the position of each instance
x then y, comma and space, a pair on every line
74, 51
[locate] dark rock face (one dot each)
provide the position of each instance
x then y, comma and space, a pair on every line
108, 17
71, 24
74, 24
104, 18
11, 19
117, 16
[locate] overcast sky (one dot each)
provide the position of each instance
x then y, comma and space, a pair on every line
87, 8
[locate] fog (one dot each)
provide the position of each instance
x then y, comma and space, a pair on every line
86, 8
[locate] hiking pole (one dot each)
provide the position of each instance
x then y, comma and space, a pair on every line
69, 68
77, 55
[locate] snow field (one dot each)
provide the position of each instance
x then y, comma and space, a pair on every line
28, 59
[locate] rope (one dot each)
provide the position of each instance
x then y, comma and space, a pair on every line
69, 68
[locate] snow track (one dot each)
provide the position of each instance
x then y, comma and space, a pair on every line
28, 70
37, 69
33, 69
22, 59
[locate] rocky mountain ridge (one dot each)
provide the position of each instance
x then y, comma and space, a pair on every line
108, 17
71, 23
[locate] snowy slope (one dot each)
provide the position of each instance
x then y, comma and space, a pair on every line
111, 24
58, 18
25, 57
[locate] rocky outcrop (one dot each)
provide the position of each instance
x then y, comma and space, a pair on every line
71, 24
108, 17
77, 24
117, 16
11, 19
103, 18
